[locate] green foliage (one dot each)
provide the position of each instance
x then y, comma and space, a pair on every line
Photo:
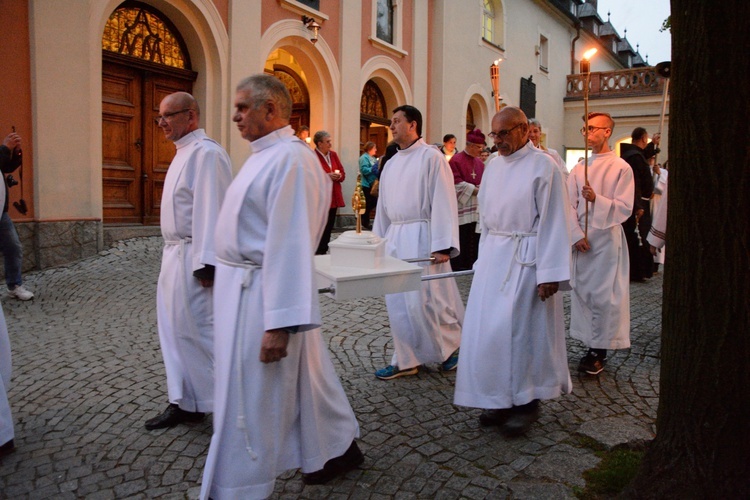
666, 25
616, 470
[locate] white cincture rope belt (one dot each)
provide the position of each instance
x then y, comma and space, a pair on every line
249, 268
517, 237
411, 221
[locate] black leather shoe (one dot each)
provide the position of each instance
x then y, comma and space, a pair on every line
494, 417
521, 418
336, 466
7, 448
172, 416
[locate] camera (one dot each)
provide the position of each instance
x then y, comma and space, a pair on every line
11, 181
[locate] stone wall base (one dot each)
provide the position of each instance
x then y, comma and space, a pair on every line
50, 244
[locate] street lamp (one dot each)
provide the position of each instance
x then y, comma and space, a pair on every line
586, 71
495, 79
313, 26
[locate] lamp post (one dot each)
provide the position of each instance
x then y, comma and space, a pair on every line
495, 79
586, 71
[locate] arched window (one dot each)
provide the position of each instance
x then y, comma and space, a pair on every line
136, 30
492, 22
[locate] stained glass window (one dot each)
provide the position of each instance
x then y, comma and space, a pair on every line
137, 31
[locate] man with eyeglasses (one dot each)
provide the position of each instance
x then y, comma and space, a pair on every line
194, 188
467, 170
600, 301
513, 341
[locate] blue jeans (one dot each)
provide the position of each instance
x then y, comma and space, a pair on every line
12, 251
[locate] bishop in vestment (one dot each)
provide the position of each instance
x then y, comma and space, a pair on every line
418, 217
467, 170
279, 403
513, 341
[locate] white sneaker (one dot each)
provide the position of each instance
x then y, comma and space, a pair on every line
20, 293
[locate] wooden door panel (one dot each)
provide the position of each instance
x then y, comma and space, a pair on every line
135, 154
158, 152
121, 133
379, 135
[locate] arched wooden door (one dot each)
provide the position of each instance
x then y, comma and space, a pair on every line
144, 60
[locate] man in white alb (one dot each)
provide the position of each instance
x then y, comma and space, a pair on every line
513, 341
600, 301
279, 403
418, 216
194, 188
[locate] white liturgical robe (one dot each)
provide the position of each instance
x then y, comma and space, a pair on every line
6, 368
6, 419
659, 213
194, 188
417, 214
513, 344
600, 301
657, 236
293, 413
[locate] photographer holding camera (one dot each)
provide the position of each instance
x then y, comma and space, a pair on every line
10, 244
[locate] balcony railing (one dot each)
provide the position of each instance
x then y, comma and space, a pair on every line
613, 84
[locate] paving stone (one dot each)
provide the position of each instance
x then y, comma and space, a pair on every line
88, 372
617, 431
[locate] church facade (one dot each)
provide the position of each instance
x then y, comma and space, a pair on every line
84, 79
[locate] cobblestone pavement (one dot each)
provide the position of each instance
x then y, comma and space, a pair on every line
88, 372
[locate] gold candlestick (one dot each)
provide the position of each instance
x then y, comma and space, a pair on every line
359, 204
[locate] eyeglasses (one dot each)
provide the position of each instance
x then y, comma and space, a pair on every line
591, 129
502, 134
166, 116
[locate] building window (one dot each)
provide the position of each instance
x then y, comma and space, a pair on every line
313, 4
138, 31
387, 26
492, 22
543, 52
384, 21
488, 21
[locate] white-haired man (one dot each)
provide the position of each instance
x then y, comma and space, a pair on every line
279, 403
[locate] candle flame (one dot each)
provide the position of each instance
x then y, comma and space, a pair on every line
589, 54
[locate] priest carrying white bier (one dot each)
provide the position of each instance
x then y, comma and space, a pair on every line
279, 403
417, 214
513, 341
194, 188
600, 301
